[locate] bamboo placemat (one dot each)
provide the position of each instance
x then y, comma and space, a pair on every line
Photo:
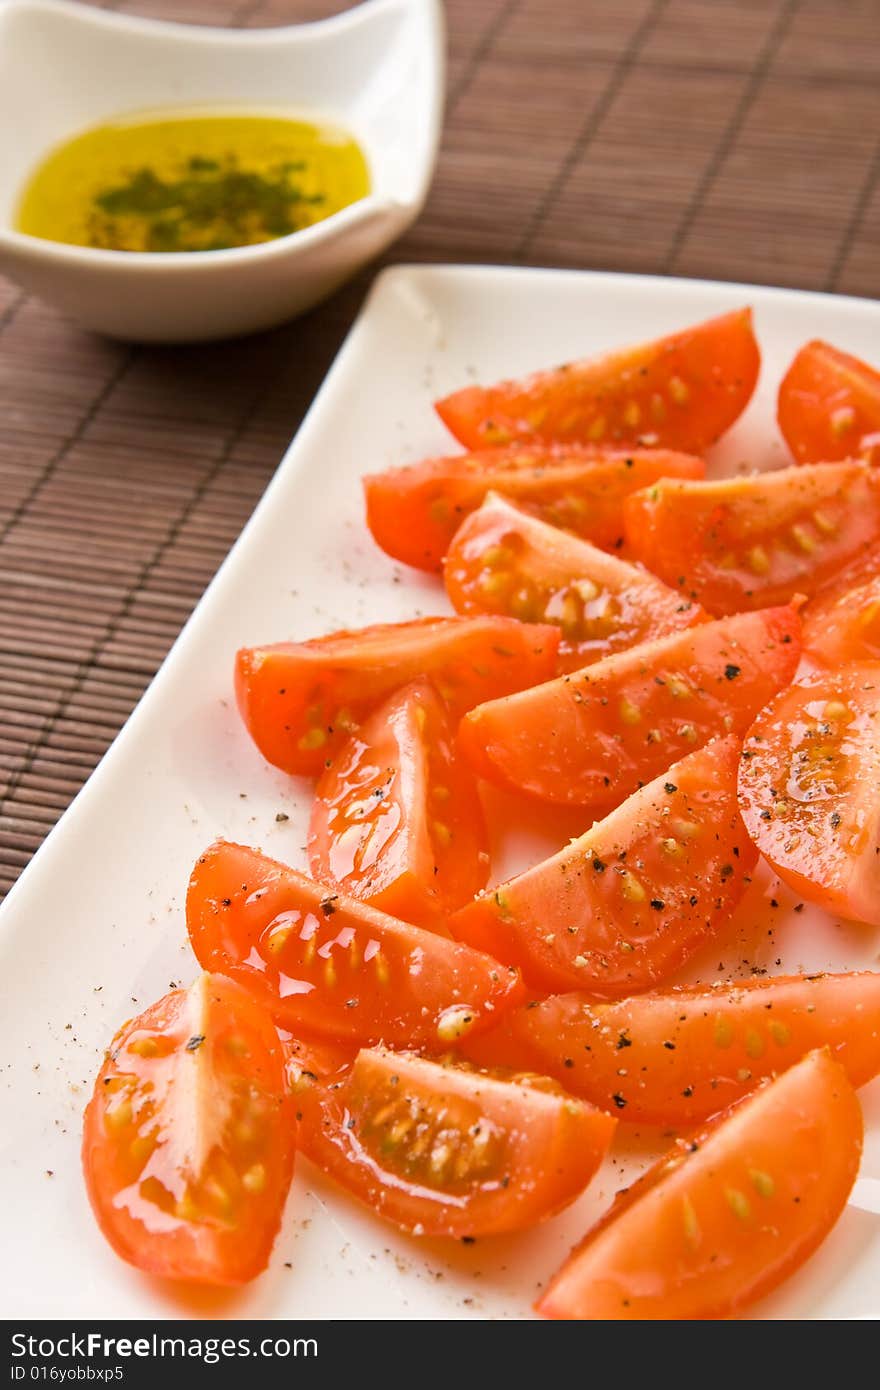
736, 139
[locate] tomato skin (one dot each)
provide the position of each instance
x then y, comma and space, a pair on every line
807, 788
397, 819
590, 738
332, 966
724, 1217
444, 1151
414, 511
176, 1189
829, 405
751, 542
842, 625
624, 905
301, 700
678, 1056
503, 560
681, 392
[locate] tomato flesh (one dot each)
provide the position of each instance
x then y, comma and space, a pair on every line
302, 700
414, 511
808, 786
742, 543
503, 560
333, 966
188, 1142
397, 818
444, 1150
592, 737
678, 1056
829, 405
678, 392
724, 1217
625, 904
843, 624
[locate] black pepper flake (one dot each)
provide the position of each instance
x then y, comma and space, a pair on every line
669, 788
281, 816
835, 820
568, 1061
688, 1091
598, 866
670, 1046
195, 1042
226, 902
619, 1100
658, 904
469, 1240
624, 1041
731, 671
328, 905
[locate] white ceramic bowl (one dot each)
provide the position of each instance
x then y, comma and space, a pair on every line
376, 70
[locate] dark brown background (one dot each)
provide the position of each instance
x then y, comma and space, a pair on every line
736, 139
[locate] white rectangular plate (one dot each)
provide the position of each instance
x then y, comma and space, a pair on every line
94, 930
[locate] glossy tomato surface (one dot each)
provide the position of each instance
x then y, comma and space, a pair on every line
742, 543
504, 560
397, 818
829, 405
726, 1215
414, 511
302, 700
333, 966
843, 624
809, 788
678, 392
621, 907
446, 1150
592, 737
678, 1056
188, 1141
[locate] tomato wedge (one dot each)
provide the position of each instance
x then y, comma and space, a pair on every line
444, 1150
843, 624
678, 1056
414, 512
188, 1142
333, 966
809, 786
680, 392
397, 818
301, 700
503, 560
751, 542
591, 738
625, 904
829, 405
724, 1217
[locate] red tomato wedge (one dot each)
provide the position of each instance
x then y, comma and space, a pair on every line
809, 787
829, 405
397, 818
627, 903
414, 512
751, 542
592, 737
679, 392
503, 560
302, 700
444, 1150
333, 966
843, 625
724, 1217
188, 1142
677, 1056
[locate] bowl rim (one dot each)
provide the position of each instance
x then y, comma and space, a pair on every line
349, 218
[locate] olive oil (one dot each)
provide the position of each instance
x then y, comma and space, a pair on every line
192, 182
